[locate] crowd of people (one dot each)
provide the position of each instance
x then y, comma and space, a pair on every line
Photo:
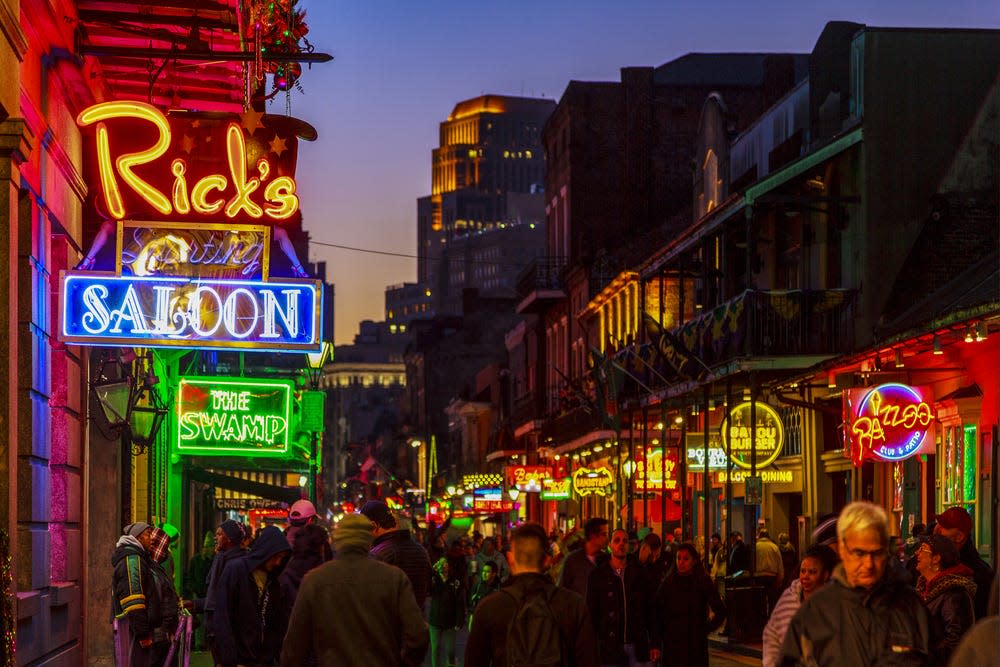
372, 592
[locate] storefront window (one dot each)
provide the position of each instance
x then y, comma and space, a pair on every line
961, 467
969, 467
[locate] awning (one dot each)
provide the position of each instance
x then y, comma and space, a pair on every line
279, 493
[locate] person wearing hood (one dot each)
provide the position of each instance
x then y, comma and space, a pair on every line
868, 615
228, 546
814, 571
310, 549
355, 610
251, 609
144, 603
946, 587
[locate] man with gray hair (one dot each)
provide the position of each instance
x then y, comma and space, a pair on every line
868, 614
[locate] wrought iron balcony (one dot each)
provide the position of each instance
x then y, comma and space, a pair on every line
540, 283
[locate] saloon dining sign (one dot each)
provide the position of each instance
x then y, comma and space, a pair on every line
194, 271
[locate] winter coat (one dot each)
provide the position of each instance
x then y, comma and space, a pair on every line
681, 624
980, 646
250, 622
487, 643
447, 602
310, 549
196, 576
655, 572
399, 549
169, 604
134, 592
354, 610
480, 590
982, 575
777, 625
214, 574
577, 568
739, 559
856, 627
619, 607
948, 597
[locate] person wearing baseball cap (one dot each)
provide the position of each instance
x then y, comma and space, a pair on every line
955, 523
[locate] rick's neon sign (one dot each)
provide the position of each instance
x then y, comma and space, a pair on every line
103, 309
889, 422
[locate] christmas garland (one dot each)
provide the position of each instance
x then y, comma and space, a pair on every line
277, 27
8, 622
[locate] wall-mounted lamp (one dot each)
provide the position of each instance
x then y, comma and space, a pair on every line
598, 447
968, 335
981, 331
937, 345
899, 358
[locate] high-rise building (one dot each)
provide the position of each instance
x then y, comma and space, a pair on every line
488, 175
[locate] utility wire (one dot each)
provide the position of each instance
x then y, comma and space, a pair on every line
388, 253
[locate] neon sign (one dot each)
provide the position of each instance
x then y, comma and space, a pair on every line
889, 423
195, 250
252, 191
769, 436
102, 309
556, 489
660, 471
233, 416
596, 481
527, 478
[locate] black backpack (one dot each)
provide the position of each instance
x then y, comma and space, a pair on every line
533, 636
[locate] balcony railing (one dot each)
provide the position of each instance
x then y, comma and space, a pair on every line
755, 324
571, 425
545, 273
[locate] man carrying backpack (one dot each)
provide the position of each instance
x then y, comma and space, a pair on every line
531, 621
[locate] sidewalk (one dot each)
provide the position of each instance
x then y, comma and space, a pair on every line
724, 652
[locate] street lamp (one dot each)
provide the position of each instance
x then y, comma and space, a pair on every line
314, 402
315, 361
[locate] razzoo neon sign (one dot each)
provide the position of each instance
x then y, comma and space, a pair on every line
889, 422
103, 309
256, 193
233, 416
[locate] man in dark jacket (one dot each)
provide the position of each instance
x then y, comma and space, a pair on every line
487, 643
739, 555
251, 609
138, 600
228, 547
580, 563
956, 524
354, 610
616, 598
868, 615
395, 546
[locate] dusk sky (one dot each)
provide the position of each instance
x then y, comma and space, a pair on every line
400, 66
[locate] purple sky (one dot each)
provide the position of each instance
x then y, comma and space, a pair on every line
400, 66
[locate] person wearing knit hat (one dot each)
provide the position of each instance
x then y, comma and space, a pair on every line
228, 547
956, 524
137, 597
378, 620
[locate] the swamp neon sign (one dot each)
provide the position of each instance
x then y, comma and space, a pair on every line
104, 309
889, 422
233, 416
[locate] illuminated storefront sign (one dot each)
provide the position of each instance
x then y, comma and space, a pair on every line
488, 500
889, 422
696, 452
767, 476
769, 438
144, 165
217, 415
478, 479
659, 469
102, 309
596, 481
195, 250
527, 478
556, 489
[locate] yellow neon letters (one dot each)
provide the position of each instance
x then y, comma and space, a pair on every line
280, 200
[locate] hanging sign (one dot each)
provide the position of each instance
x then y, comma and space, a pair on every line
770, 434
593, 481
489, 500
478, 479
696, 452
200, 250
556, 489
889, 422
211, 166
527, 478
654, 472
102, 309
233, 416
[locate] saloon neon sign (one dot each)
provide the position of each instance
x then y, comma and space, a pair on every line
889, 423
256, 193
220, 415
102, 309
